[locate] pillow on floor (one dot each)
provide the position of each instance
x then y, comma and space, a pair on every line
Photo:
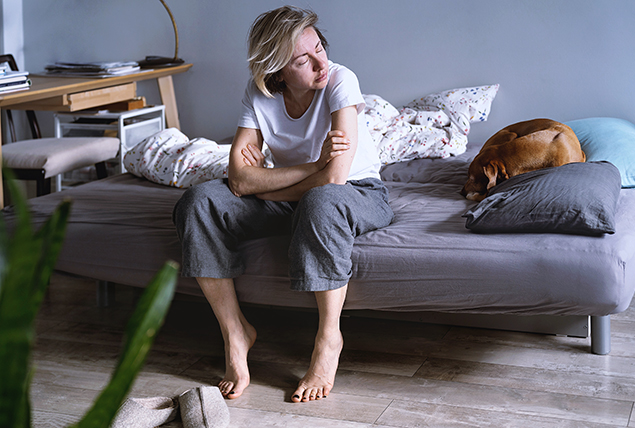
608, 139
578, 198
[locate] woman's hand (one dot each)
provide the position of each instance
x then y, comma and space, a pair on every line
253, 156
335, 145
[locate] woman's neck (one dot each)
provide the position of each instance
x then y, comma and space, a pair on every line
297, 104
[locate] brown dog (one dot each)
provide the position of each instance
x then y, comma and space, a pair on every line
521, 147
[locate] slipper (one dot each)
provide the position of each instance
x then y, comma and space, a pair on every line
146, 412
203, 407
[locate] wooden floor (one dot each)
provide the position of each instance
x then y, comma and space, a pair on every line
392, 373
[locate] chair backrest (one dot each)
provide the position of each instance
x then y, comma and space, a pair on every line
33, 123
9, 59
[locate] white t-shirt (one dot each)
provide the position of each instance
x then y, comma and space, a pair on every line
297, 141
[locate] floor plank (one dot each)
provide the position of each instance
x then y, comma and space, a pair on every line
244, 418
52, 419
536, 379
487, 398
414, 414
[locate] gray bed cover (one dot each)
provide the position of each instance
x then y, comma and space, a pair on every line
121, 231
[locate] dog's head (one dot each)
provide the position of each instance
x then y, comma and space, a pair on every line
483, 175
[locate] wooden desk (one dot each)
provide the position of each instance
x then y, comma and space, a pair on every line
51, 92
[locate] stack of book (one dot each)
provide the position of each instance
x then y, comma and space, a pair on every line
92, 69
13, 80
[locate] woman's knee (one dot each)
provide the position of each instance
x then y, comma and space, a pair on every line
322, 201
201, 199
322, 221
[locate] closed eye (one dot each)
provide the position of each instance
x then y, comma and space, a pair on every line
303, 60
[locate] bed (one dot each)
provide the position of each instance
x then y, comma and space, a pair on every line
565, 277
426, 263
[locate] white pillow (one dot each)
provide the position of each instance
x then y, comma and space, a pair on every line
171, 158
434, 126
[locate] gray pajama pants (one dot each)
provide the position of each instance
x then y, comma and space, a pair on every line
211, 222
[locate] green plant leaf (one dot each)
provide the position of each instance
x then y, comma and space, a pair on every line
27, 262
4, 254
141, 330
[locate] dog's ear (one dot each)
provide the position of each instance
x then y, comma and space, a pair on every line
495, 171
491, 172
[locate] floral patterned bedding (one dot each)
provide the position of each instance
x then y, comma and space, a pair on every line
433, 126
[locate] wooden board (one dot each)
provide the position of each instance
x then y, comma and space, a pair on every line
83, 100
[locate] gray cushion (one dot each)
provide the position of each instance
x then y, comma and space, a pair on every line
577, 198
58, 155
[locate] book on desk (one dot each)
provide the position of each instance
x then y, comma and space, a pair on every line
14, 81
92, 69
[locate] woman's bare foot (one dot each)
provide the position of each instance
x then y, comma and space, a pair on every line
318, 380
236, 370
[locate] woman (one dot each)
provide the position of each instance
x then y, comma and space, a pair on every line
324, 188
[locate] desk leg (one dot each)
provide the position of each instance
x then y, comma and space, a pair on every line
168, 98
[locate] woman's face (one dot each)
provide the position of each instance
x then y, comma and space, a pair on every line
308, 68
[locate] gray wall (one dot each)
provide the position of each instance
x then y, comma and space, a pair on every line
563, 59
11, 30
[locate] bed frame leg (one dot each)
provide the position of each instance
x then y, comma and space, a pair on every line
105, 294
601, 334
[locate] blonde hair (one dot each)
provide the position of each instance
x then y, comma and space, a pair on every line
272, 39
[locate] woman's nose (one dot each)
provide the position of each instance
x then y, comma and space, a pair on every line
319, 64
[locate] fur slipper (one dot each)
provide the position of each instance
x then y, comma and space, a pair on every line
203, 407
146, 412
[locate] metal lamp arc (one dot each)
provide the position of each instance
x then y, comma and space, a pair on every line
153, 61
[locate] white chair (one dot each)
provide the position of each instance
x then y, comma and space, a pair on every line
42, 158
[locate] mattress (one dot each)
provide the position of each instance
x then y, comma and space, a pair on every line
121, 231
